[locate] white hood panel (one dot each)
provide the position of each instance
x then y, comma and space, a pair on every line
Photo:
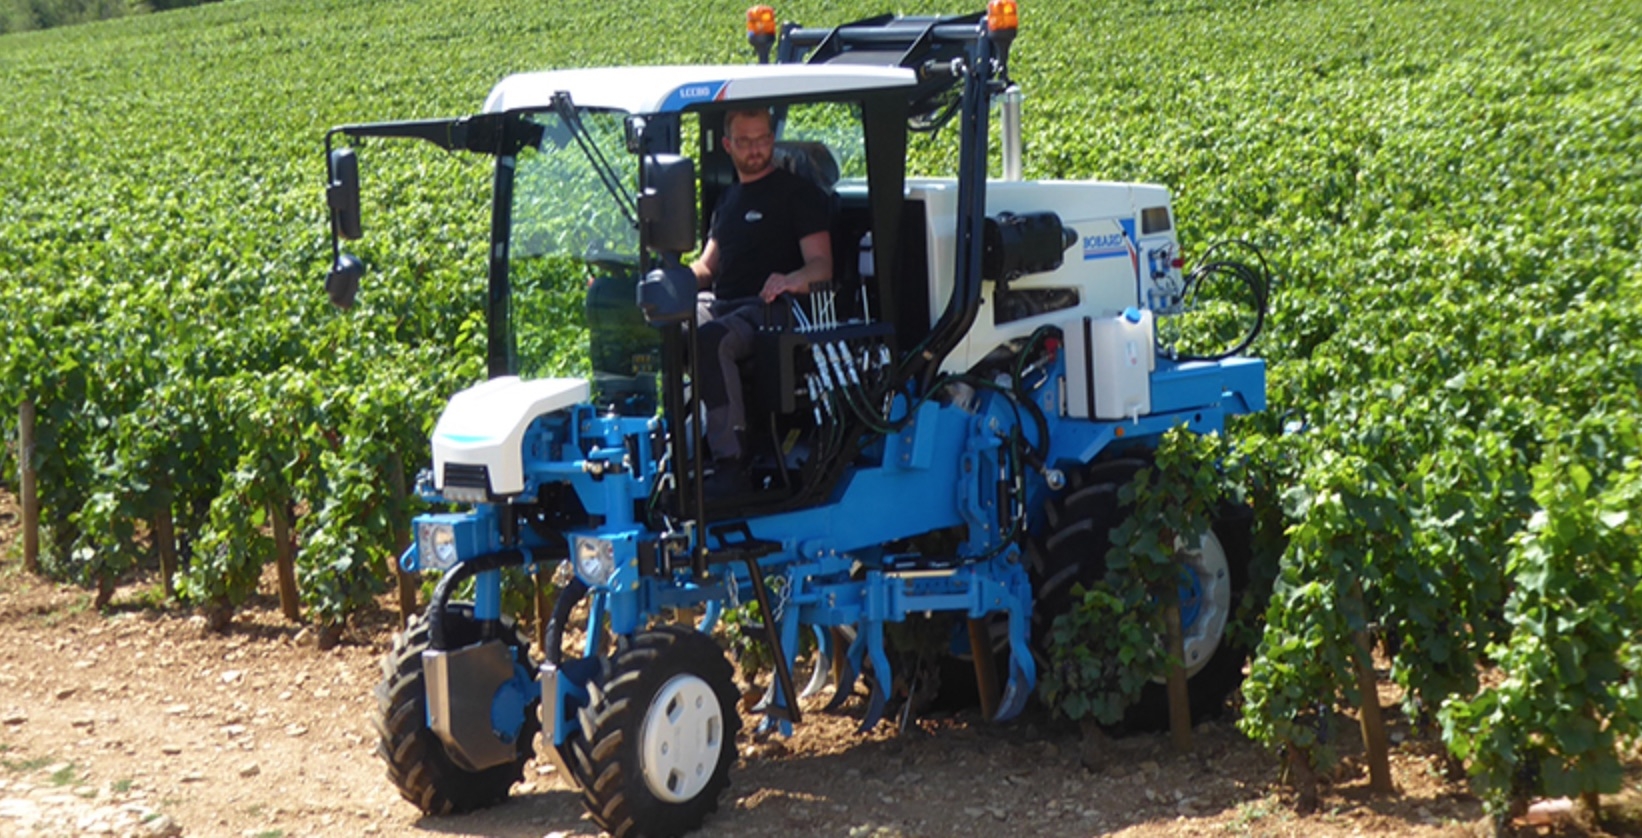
484, 425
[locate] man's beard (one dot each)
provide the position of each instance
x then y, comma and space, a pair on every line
753, 166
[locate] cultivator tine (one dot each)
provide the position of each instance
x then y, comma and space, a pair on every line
776, 718
822, 676
882, 676
775, 722
852, 672
779, 710
1023, 674
1015, 693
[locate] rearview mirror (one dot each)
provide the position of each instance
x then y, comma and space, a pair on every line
667, 209
342, 283
343, 194
667, 295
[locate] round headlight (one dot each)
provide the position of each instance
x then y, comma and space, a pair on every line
595, 560
437, 546
444, 546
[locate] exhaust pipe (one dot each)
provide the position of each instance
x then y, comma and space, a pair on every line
1012, 97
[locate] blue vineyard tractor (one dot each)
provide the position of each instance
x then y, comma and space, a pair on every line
936, 436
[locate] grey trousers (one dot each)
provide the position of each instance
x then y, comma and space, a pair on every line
723, 339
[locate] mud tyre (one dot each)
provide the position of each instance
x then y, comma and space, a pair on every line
1073, 550
417, 762
658, 737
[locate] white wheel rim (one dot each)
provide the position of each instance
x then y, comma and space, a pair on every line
681, 740
1203, 636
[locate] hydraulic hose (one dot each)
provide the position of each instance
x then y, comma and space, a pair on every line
1258, 281
457, 575
1040, 451
553, 632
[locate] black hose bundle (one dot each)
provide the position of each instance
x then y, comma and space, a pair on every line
1256, 279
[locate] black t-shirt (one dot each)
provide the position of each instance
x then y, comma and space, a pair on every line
758, 225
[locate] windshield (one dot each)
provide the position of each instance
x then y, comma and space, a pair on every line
560, 203
570, 238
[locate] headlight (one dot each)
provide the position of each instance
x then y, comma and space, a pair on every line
595, 559
437, 545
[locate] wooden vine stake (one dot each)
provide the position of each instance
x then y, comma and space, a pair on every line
986, 667
409, 584
285, 562
1302, 778
544, 606
1180, 703
29, 487
1375, 743
1591, 803
165, 546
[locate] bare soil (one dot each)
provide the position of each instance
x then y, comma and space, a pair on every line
139, 721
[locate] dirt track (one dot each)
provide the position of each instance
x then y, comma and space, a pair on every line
139, 722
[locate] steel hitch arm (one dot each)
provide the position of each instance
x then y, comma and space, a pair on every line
745, 548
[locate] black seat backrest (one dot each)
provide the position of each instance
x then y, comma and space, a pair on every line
810, 160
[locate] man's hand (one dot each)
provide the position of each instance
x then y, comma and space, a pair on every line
706, 264
779, 284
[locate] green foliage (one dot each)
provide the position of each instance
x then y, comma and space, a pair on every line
1110, 644
1105, 650
228, 558
1571, 694
1350, 513
1172, 504
743, 632
1257, 471
27, 15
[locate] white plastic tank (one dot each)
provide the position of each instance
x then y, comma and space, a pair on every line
1109, 363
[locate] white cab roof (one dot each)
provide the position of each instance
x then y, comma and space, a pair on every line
662, 89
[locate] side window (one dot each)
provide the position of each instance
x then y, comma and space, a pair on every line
837, 125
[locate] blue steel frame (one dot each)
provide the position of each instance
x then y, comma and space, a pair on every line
939, 471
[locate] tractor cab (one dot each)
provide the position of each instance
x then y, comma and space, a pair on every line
581, 203
586, 201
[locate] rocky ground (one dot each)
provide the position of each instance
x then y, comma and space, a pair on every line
139, 722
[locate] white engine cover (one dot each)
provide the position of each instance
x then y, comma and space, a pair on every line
1106, 267
484, 425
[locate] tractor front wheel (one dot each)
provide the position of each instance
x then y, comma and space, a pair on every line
1214, 574
658, 737
417, 762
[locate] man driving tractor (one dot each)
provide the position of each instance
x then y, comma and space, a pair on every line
769, 237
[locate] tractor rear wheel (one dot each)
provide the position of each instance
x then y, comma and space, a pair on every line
1073, 551
658, 737
417, 762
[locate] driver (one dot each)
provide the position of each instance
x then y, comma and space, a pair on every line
768, 237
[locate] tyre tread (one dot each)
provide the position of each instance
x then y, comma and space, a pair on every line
604, 751
416, 761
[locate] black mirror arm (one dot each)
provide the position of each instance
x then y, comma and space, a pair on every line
330, 178
484, 133
440, 132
